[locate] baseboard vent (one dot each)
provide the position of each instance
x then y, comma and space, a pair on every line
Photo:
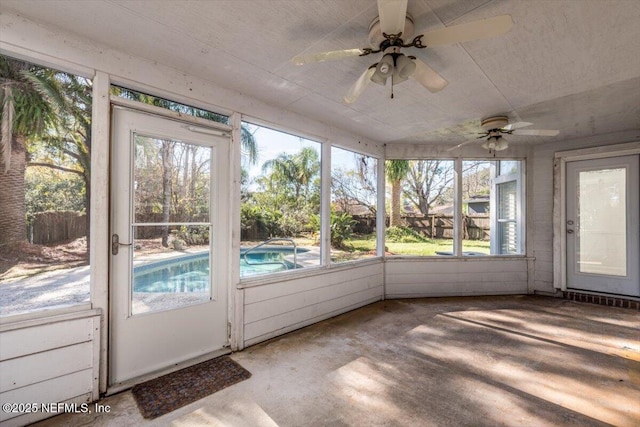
608, 300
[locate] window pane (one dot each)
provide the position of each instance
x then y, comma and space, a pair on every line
420, 207
476, 189
280, 202
507, 217
44, 190
353, 205
601, 204
169, 277
171, 181
133, 95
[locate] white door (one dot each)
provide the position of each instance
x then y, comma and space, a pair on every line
168, 292
602, 208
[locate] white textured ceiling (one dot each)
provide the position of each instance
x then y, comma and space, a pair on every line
567, 65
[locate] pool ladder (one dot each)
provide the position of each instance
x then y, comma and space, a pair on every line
275, 239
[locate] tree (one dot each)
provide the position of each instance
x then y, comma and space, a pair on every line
356, 185
30, 99
396, 171
427, 182
294, 170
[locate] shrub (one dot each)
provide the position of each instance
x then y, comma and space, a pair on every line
404, 235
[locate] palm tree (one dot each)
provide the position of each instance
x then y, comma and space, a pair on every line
294, 170
30, 97
396, 171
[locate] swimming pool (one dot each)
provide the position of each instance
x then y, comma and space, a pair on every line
190, 273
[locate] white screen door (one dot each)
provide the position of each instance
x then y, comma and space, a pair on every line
602, 225
168, 290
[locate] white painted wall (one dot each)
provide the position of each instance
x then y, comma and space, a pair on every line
438, 277
277, 308
48, 361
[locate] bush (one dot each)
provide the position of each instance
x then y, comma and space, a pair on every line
341, 228
404, 235
193, 235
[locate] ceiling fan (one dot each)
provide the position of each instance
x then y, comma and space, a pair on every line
387, 34
494, 127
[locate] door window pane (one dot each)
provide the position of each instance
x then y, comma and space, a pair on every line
602, 222
172, 229
171, 181
169, 277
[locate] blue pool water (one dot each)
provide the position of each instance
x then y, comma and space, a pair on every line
190, 273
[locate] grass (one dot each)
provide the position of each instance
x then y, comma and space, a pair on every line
427, 248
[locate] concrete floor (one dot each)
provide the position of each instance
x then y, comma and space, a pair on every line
517, 361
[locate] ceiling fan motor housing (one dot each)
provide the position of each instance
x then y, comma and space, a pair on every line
492, 123
375, 33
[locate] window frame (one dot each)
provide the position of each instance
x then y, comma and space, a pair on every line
521, 215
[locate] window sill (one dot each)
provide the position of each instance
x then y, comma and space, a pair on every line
44, 316
306, 272
452, 258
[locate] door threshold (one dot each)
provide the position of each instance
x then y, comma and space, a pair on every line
125, 385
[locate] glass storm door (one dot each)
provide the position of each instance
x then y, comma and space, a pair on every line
168, 290
602, 225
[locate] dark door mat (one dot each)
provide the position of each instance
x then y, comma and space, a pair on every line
170, 392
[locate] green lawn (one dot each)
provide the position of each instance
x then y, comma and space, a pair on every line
428, 248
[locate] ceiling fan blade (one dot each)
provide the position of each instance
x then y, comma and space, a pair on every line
359, 86
517, 125
460, 145
325, 56
536, 132
428, 78
470, 31
392, 15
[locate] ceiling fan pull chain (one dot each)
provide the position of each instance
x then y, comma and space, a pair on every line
391, 86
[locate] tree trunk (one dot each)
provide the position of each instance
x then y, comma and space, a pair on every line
167, 166
396, 204
13, 222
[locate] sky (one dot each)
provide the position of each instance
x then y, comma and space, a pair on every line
272, 142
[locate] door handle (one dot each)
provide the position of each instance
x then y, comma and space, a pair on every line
569, 231
115, 244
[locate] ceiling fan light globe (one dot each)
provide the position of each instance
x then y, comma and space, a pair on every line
405, 67
386, 66
378, 78
502, 144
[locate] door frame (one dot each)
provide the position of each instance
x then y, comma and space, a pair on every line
560, 194
214, 127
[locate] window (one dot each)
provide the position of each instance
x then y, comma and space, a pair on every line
506, 186
156, 101
45, 188
353, 205
422, 207
280, 202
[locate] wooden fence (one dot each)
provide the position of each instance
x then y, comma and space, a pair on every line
56, 226
476, 227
